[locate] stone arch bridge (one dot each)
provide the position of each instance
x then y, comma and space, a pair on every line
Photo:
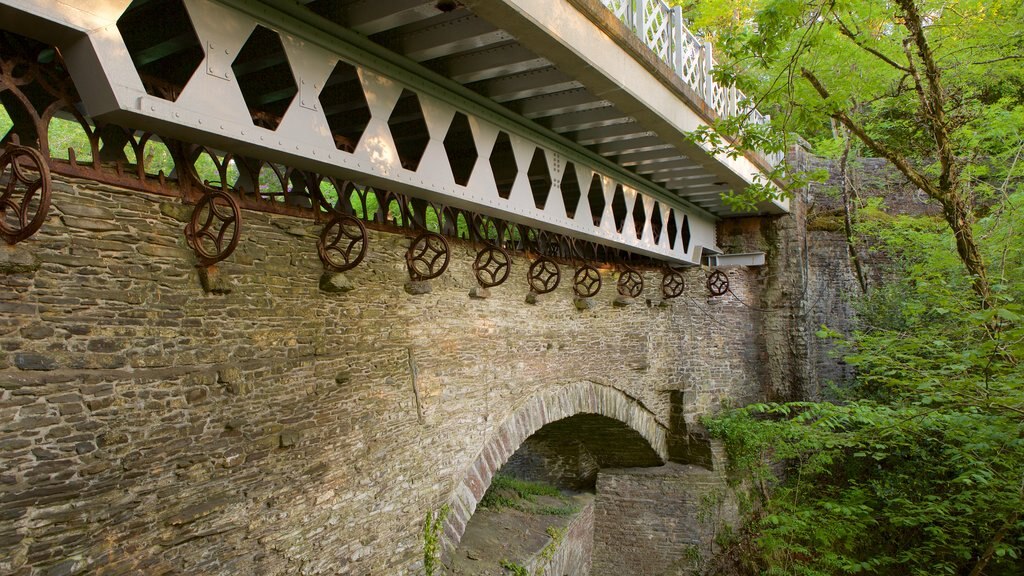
280, 279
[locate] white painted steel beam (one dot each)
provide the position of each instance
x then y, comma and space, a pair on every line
578, 46
211, 110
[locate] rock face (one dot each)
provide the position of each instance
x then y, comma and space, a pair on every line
289, 425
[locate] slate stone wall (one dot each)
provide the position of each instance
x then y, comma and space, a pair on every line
572, 554
147, 426
659, 521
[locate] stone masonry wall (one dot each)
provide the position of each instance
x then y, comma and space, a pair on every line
573, 553
658, 521
149, 427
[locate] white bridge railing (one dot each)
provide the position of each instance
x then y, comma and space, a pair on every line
662, 29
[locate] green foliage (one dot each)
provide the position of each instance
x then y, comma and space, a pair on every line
557, 535
514, 568
508, 492
433, 525
917, 468
858, 51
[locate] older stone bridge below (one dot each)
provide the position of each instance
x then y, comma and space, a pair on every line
282, 279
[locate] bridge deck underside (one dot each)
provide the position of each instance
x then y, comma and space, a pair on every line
422, 98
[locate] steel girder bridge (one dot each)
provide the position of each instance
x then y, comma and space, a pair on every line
567, 116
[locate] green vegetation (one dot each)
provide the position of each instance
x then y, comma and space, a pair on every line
916, 466
508, 492
514, 568
433, 525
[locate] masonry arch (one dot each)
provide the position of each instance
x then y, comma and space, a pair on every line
573, 400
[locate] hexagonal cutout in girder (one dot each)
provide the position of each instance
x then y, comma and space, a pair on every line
540, 178
461, 149
639, 216
163, 45
570, 186
656, 223
344, 104
503, 165
671, 229
595, 198
619, 208
265, 78
686, 233
409, 130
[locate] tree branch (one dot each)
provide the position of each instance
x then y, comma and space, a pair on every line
935, 97
986, 556
845, 31
882, 150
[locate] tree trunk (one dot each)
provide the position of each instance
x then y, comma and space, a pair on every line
958, 216
849, 197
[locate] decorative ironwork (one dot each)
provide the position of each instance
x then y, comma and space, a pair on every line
427, 257
25, 198
718, 283
342, 243
586, 283
215, 219
492, 266
672, 284
543, 275
39, 96
631, 283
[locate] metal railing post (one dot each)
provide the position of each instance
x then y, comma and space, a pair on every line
709, 85
676, 32
640, 7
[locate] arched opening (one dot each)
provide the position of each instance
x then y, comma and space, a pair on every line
527, 503
537, 514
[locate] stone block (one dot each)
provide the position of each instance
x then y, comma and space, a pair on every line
584, 303
623, 301
35, 361
335, 283
17, 260
213, 280
91, 224
479, 292
195, 395
180, 212
290, 438
417, 287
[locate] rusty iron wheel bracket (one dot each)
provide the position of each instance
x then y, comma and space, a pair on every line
342, 243
672, 284
586, 283
543, 275
427, 257
25, 199
216, 218
718, 283
492, 266
630, 284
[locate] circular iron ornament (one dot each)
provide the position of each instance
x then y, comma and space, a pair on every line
718, 283
215, 227
427, 257
342, 243
631, 284
587, 281
492, 266
543, 275
672, 284
21, 213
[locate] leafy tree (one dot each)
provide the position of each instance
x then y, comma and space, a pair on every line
912, 81
917, 465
